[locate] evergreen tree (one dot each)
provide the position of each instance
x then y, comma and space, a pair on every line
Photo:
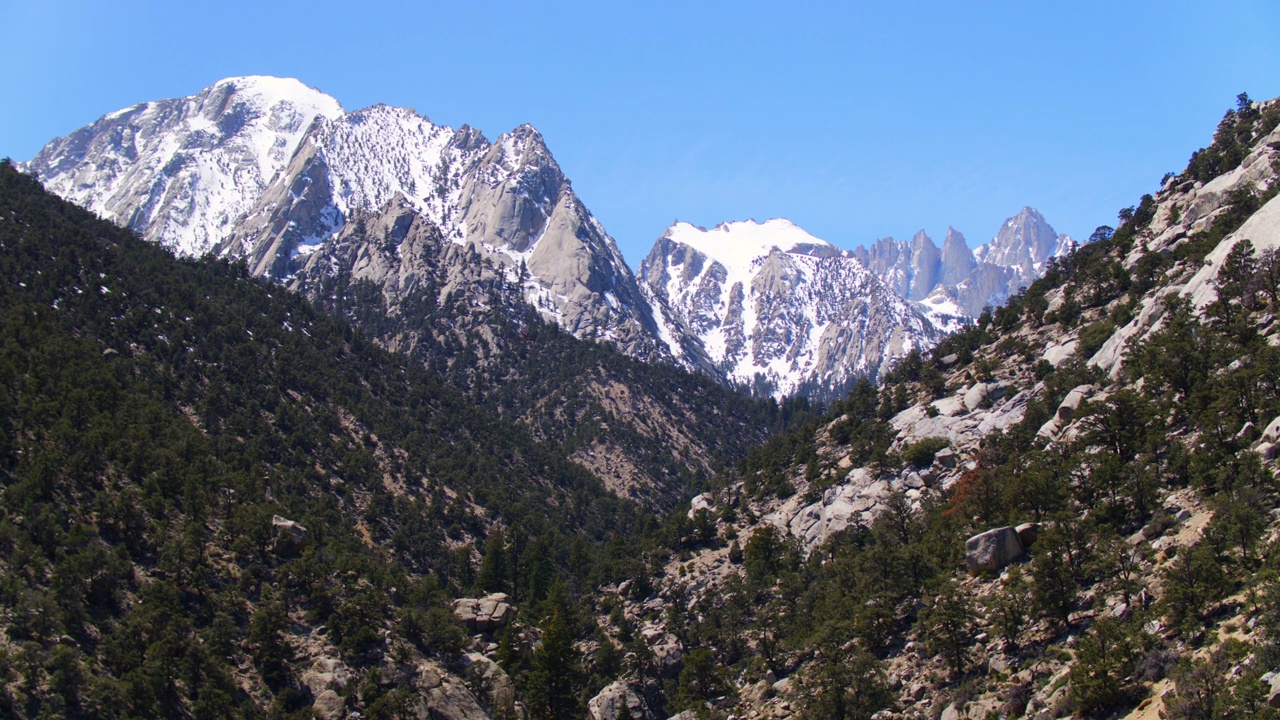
1104, 663
1053, 580
844, 686
1011, 607
551, 683
270, 650
948, 625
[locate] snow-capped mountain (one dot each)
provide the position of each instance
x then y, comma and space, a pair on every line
768, 305
955, 282
183, 172
270, 170
276, 173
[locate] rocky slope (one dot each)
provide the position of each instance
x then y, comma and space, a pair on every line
1067, 509
649, 431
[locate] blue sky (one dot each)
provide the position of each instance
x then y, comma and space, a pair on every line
854, 120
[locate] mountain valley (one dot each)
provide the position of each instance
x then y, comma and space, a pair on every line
397, 433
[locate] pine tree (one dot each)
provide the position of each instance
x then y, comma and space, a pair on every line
270, 650
550, 683
1053, 581
948, 625
493, 568
1104, 662
844, 686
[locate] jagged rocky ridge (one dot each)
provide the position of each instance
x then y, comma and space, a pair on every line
957, 281
276, 173
770, 307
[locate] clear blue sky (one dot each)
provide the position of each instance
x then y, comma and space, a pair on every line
854, 120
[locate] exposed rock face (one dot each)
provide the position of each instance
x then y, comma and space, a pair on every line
327, 674
499, 689
1028, 533
1272, 431
398, 251
991, 550
668, 655
771, 307
981, 393
1025, 242
484, 614
856, 500
1066, 411
957, 259
289, 535
959, 282
444, 697
329, 705
911, 268
508, 202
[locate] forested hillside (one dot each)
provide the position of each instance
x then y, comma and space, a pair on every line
206, 486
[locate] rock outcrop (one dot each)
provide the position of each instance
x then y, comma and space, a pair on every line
484, 614
989, 551
495, 685
289, 535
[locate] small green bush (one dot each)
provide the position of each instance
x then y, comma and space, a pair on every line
920, 453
